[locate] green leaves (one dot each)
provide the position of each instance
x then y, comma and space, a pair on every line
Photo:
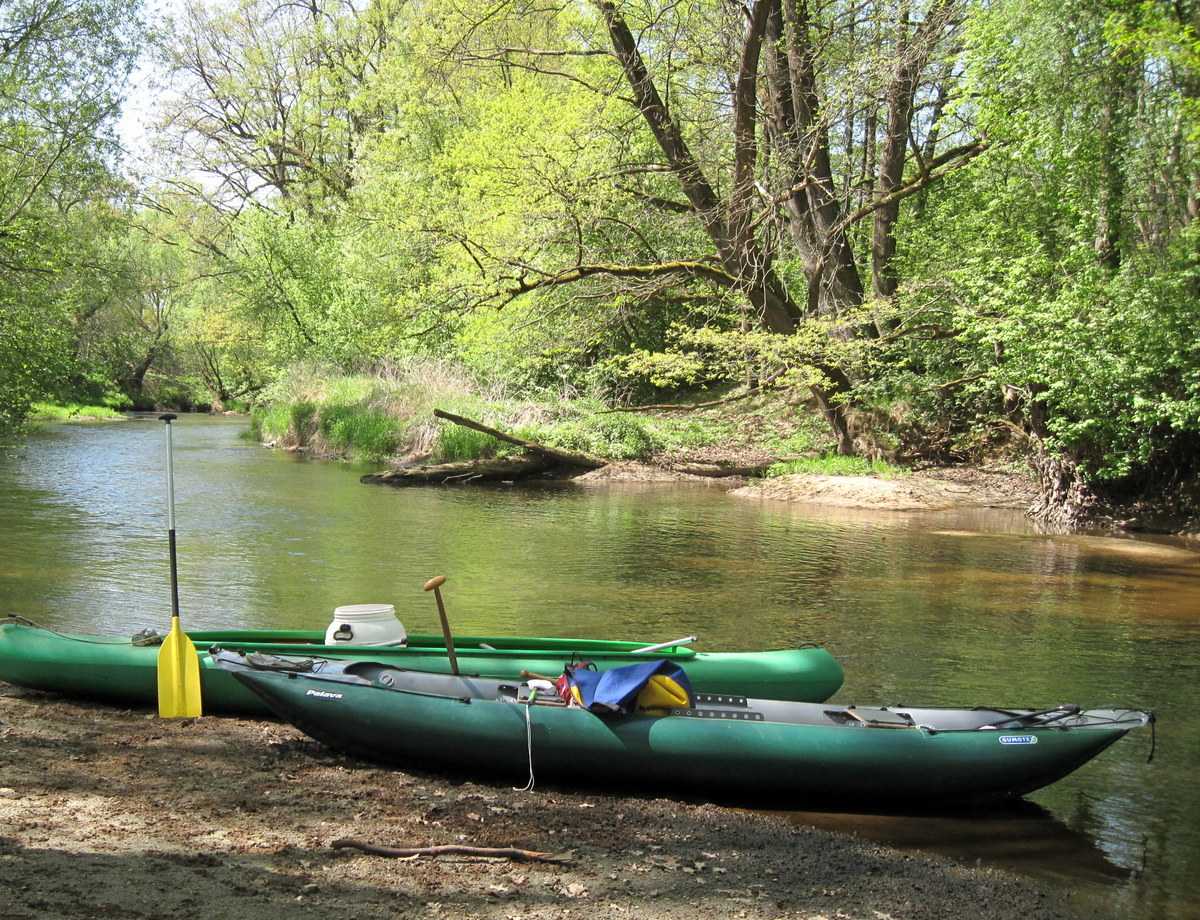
63, 65
1061, 270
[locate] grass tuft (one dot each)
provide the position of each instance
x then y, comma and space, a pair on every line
55, 412
834, 465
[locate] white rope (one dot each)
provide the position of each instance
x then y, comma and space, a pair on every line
528, 787
535, 686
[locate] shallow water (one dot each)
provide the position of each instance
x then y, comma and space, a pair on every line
949, 608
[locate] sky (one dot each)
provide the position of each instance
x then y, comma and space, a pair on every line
133, 127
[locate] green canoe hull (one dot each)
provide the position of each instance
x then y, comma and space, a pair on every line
731, 756
116, 670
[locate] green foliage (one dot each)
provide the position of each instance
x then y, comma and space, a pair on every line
364, 434
33, 357
361, 416
294, 288
334, 428
458, 443
270, 423
691, 432
404, 210
834, 465
1052, 289
711, 355
64, 412
796, 433
613, 436
62, 66
302, 421
95, 386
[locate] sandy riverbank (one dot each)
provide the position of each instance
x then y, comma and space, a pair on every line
110, 813
930, 490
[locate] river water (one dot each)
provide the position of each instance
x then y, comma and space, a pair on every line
948, 608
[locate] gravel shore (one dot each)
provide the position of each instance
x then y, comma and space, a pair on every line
111, 813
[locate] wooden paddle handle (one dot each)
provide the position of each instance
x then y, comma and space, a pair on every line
432, 585
530, 675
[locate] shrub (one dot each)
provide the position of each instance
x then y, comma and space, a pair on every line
618, 437
457, 443
70, 410
363, 434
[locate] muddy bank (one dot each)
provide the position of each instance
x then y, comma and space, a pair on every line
116, 813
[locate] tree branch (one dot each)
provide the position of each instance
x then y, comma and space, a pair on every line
571, 458
452, 849
705, 270
938, 168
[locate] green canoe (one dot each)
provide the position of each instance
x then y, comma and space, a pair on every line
117, 670
734, 747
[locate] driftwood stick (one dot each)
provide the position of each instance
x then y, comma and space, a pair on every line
451, 849
570, 458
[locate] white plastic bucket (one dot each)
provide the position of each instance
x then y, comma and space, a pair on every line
365, 624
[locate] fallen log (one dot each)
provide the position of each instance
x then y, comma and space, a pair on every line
564, 457
498, 469
452, 849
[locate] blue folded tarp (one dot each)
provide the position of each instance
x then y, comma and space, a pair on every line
653, 685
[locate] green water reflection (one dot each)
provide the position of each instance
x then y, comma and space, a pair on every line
956, 608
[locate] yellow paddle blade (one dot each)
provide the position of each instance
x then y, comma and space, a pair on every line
178, 675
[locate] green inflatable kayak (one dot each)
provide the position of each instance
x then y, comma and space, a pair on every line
731, 746
120, 670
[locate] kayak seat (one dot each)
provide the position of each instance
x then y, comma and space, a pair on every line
267, 662
873, 718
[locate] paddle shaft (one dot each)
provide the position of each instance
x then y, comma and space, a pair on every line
168, 417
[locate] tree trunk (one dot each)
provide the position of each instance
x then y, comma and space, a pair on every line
501, 469
732, 225
912, 56
1120, 98
800, 141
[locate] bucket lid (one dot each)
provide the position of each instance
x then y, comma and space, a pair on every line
364, 611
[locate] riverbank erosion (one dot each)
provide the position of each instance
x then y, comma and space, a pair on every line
117, 813
934, 489
925, 491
